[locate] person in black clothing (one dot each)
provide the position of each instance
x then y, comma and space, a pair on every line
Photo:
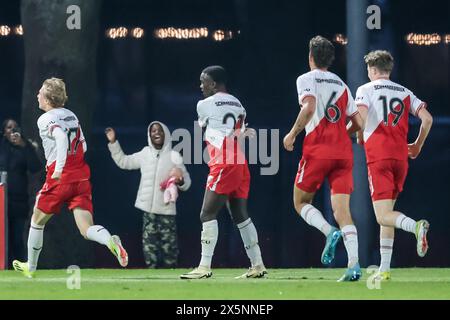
18, 157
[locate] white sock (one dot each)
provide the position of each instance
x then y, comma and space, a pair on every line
250, 238
386, 247
405, 223
314, 218
350, 236
210, 233
98, 234
35, 242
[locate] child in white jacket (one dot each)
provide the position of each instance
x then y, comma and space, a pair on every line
158, 163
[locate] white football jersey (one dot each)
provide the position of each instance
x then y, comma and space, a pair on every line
221, 114
68, 122
326, 134
386, 127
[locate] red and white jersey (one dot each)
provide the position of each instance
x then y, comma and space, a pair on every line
75, 168
326, 133
223, 116
386, 128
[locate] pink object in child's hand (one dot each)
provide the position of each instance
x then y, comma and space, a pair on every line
170, 190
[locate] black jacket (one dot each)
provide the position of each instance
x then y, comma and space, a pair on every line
18, 161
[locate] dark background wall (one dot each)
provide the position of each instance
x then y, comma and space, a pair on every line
152, 79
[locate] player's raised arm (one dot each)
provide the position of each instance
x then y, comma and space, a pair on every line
62, 144
427, 121
304, 116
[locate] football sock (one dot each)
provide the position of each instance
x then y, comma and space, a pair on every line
386, 247
98, 234
210, 233
314, 218
405, 223
350, 236
250, 238
35, 242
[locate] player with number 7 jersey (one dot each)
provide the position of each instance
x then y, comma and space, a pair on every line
67, 180
67, 155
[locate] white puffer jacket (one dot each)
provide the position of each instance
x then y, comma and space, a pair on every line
155, 166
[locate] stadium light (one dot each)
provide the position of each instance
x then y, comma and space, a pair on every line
18, 30
447, 39
4, 31
114, 33
426, 39
340, 39
137, 33
221, 35
180, 33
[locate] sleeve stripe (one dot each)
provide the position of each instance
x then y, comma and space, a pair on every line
363, 105
354, 114
422, 105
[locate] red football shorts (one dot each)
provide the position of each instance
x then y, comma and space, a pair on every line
386, 178
312, 172
51, 198
231, 180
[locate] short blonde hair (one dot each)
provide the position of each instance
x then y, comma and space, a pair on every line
55, 92
380, 59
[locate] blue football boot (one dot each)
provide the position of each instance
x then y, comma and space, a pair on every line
330, 246
352, 274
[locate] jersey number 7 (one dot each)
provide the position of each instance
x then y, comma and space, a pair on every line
73, 135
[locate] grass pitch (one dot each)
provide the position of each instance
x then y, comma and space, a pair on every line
286, 284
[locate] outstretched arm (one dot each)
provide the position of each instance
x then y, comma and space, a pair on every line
427, 121
304, 116
123, 161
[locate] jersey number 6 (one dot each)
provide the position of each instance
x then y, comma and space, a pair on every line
332, 112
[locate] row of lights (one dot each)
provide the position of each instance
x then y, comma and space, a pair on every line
417, 39
138, 33
193, 33
221, 35
6, 30
427, 39
122, 32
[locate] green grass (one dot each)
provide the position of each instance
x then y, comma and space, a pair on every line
423, 283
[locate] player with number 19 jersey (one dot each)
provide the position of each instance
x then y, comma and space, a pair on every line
385, 134
327, 148
224, 116
75, 171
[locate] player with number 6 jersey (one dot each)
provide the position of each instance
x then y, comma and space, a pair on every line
326, 105
67, 180
384, 106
